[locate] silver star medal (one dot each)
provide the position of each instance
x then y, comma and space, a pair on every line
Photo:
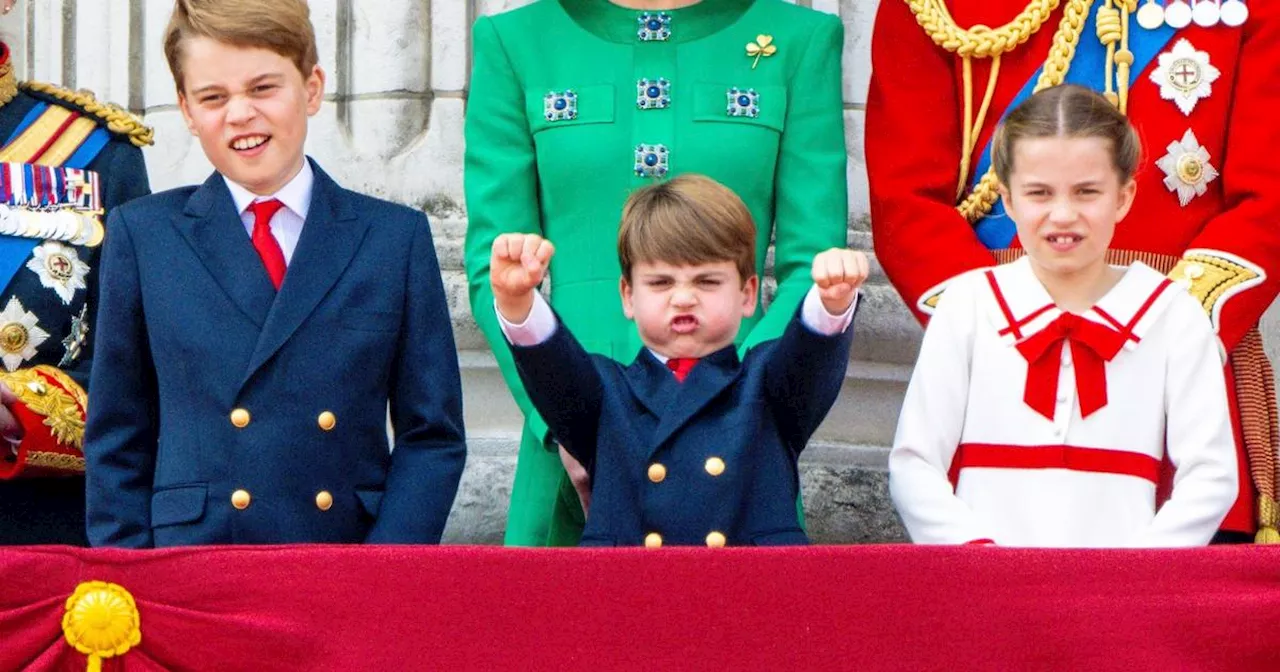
59, 268
19, 334
74, 342
1186, 168
1185, 75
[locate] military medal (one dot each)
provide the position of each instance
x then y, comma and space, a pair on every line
1187, 170
19, 334
1234, 13
74, 342
1184, 75
1177, 14
59, 268
1151, 15
1205, 13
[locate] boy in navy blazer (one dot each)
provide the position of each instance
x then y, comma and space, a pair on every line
253, 330
687, 445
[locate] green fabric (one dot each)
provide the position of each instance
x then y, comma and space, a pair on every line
567, 180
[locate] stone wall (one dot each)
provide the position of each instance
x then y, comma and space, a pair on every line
392, 126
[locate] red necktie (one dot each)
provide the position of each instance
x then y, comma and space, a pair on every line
264, 242
1092, 346
681, 366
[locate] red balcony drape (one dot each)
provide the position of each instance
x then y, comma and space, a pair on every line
818, 608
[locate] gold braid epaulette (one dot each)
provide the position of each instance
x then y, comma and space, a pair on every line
62, 408
979, 41
119, 120
986, 42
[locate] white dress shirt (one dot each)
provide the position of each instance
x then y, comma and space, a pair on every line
286, 225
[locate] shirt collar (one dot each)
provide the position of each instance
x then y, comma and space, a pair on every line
1132, 305
296, 194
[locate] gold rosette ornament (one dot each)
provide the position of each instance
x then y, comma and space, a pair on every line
101, 622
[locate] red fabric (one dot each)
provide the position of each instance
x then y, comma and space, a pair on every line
681, 366
814, 608
1092, 346
37, 437
913, 138
1096, 460
265, 242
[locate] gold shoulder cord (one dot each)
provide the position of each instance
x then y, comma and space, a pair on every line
985, 42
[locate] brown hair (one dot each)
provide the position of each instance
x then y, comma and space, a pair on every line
691, 219
1067, 111
281, 26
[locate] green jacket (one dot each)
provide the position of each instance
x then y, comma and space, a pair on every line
542, 160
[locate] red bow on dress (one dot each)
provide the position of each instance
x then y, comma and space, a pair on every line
1092, 346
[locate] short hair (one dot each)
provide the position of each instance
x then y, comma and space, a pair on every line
1067, 111
691, 219
281, 26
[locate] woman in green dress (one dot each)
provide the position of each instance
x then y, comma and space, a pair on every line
575, 103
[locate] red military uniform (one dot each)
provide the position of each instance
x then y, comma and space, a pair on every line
1208, 202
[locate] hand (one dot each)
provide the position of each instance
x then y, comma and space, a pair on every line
517, 266
7, 6
579, 477
10, 428
838, 273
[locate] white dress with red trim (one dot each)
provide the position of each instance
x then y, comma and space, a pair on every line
1029, 426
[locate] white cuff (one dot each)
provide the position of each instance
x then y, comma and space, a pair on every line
536, 329
814, 315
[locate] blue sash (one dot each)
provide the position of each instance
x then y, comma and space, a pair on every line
1088, 68
14, 250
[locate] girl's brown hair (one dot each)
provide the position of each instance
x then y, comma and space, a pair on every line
281, 26
1067, 111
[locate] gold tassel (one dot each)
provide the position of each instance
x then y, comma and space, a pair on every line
1268, 520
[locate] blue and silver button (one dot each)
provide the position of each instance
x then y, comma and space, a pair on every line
651, 160
654, 27
560, 105
653, 94
743, 102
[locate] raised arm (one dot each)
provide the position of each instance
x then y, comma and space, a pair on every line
560, 377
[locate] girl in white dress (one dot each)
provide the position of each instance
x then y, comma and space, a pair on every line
1049, 391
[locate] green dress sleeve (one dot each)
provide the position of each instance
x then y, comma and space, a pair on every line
811, 206
501, 185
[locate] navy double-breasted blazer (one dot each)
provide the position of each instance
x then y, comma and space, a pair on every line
711, 460
223, 412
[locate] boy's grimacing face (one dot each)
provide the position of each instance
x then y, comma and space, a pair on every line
249, 108
687, 311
